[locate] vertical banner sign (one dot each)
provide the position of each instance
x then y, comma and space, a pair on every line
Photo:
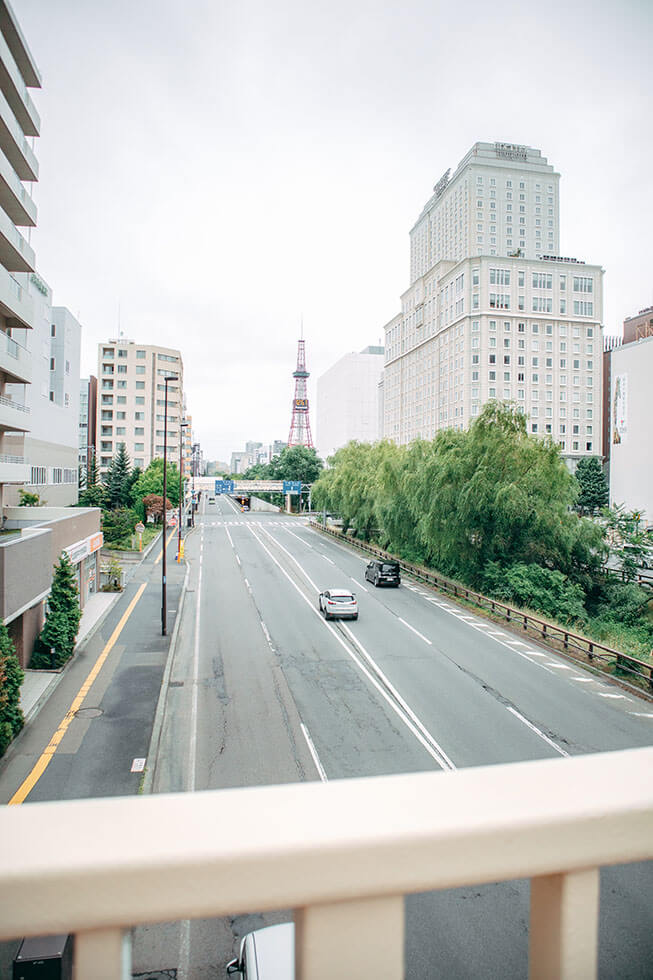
620, 409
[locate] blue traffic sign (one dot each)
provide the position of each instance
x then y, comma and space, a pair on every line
224, 486
292, 486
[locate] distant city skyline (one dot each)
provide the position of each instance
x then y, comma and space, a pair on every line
216, 182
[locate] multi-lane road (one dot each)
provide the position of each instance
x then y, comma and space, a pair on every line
263, 690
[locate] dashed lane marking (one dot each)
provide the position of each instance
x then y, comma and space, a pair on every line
416, 632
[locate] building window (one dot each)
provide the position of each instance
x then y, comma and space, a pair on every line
583, 308
140, 354
140, 385
139, 447
499, 301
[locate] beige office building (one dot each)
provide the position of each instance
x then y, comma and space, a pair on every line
512, 322
131, 400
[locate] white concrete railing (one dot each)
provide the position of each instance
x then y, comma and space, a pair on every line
342, 854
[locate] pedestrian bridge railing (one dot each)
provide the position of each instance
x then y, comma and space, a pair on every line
342, 854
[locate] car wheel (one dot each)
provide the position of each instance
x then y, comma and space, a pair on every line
376, 581
326, 615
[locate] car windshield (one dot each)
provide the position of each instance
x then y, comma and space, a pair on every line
341, 598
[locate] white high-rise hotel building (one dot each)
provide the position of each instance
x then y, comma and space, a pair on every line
493, 312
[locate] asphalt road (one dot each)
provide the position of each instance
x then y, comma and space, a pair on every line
262, 690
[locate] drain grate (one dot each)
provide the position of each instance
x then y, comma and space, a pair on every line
175, 684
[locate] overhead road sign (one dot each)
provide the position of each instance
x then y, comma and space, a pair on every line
292, 486
224, 486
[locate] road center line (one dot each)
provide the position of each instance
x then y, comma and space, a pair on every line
47, 755
358, 584
537, 731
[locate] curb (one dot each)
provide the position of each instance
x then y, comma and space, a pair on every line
36, 707
157, 727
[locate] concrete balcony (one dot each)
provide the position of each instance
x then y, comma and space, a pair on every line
15, 91
342, 854
13, 35
14, 145
16, 254
14, 199
14, 469
14, 416
15, 302
15, 361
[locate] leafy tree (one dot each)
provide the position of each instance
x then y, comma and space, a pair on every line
11, 677
628, 540
117, 480
593, 488
153, 504
118, 525
296, 463
62, 618
150, 482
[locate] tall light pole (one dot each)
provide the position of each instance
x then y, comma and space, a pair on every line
182, 426
164, 627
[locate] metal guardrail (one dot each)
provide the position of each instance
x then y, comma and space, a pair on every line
546, 631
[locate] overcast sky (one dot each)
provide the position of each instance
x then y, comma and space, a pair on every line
216, 169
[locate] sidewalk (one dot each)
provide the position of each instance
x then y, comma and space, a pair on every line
38, 683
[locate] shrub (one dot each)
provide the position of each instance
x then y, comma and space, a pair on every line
11, 677
542, 589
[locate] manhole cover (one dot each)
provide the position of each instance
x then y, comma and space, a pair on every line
88, 713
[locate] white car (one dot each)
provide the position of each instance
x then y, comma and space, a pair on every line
267, 954
338, 604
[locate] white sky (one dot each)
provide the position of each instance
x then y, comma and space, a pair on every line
219, 168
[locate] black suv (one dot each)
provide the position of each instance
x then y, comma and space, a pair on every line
383, 573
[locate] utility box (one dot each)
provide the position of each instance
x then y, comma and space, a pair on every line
44, 958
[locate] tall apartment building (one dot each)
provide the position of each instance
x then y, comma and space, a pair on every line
492, 311
87, 420
347, 401
131, 400
19, 121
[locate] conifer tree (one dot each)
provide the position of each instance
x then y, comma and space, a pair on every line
593, 489
62, 619
11, 677
118, 482
94, 494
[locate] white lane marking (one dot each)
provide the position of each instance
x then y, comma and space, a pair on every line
266, 633
313, 751
192, 746
641, 714
230, 538
515, 643
249, 588
238, 559
399, 706
558, 666
445, 760
537, 731
621, 696
583, 680
416, 632
535, 653
292, 558
492, 632
358, 584
327, 559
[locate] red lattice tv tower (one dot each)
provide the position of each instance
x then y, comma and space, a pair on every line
300, 425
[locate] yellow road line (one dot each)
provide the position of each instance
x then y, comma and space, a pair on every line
172, 534
30, 782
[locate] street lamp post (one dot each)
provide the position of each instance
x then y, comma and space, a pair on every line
164, 627
182, 426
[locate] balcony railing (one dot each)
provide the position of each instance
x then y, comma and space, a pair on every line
4, 458
342, 855
10, 403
